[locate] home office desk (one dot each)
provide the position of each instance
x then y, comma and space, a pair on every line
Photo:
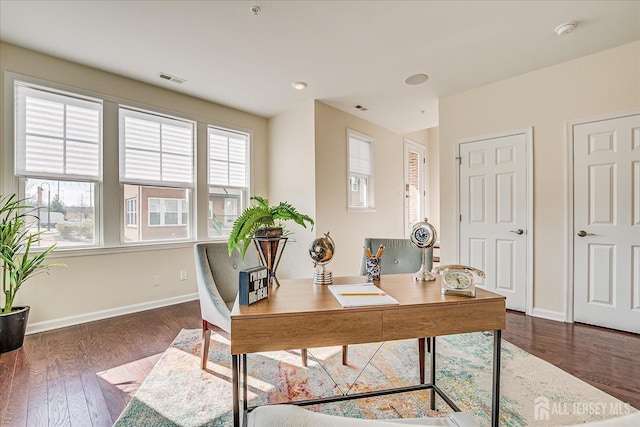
299, 314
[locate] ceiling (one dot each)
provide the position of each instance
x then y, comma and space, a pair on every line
348, 52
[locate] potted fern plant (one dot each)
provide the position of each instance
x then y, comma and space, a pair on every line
263, 223
18, 263
263, 220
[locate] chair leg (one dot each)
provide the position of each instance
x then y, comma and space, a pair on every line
206, 338
303, 353
421, 356
345, 354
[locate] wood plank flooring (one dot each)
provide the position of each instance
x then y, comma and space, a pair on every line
84, 375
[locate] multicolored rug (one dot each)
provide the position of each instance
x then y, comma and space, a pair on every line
178, 393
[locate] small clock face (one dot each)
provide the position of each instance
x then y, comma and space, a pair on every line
457, 280
422, 235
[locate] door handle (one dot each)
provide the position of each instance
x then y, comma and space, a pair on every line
518, 231
583, 233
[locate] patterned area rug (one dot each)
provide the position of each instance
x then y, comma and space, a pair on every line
534, 392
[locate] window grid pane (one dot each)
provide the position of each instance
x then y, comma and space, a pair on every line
156, 150
57, 135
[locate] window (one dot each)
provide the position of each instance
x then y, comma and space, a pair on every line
360, 185
156, 169
168, 212
132, 212
58, 158
228, 178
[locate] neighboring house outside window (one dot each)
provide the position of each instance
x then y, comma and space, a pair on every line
58, 162
360, 184
157, 169
228, 178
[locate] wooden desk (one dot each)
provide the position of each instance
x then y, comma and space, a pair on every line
321, 321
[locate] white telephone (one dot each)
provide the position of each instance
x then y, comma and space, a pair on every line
458, 279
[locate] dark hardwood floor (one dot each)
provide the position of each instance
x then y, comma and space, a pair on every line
84, 375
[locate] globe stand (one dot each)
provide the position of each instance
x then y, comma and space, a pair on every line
269, 253
321, 252
424, 274
322, 277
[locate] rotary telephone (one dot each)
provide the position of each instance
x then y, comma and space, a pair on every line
458, 279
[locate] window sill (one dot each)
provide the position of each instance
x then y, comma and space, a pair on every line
127, 248
358, 210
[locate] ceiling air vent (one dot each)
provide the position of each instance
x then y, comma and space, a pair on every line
171, 78
361, 108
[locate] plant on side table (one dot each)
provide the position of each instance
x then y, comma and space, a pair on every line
264, 222
19, 263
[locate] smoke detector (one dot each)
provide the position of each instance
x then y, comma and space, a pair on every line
565, 28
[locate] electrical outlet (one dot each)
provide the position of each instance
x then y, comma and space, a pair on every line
183, 274
156, 281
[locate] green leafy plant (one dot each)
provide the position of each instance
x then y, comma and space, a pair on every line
262, 215
19, 262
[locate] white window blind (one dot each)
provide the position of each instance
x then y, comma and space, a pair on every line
359, 155
227, 158
57, 135
155, 150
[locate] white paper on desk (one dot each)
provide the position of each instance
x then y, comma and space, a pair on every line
361, 300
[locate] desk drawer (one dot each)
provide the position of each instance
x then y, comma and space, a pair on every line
444, 320
305, 331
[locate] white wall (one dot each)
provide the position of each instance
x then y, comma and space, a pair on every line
105, 282
349, 229
291, 170
546, 99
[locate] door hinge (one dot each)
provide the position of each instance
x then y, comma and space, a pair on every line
459, 159
460, 217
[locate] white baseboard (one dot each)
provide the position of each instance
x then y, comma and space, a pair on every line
549, 314
47, 325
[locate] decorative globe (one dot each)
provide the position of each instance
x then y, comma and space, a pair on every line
322, 249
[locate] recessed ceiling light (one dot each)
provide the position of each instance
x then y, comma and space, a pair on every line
255, 10
416, 79
565, 28
299, 85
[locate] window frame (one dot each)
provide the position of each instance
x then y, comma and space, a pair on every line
127, 110
352, 175
245, 191
109, 208
131, 213
15, 179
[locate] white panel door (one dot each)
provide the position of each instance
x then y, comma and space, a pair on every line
606, 242
493, 208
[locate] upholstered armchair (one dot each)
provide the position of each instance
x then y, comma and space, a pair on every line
400, 256
217, 277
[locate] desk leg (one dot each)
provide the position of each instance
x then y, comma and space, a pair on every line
236, 397
432, 346
495, 398
244, 390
